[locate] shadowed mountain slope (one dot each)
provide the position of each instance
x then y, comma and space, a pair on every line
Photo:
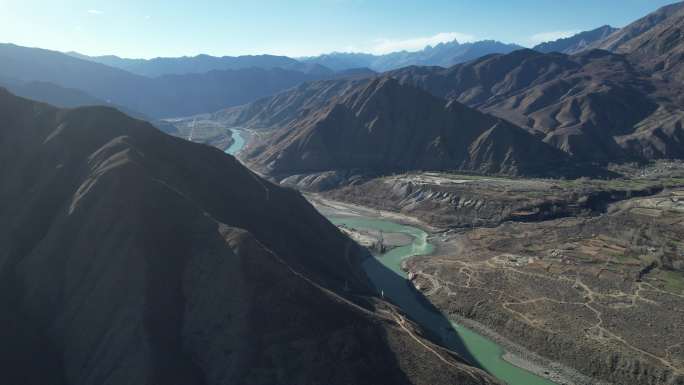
132, 257
59, 96
161, 97
381, 126
202, 63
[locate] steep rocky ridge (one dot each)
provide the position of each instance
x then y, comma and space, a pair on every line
161, 66
655, 42
130, 256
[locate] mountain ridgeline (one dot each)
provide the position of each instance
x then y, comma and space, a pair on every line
381, 126
595, 106
655, 42
203, 63
130, 256
628, 103
576, 43
443, 54
160, 97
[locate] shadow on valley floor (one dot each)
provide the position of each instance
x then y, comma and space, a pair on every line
393, 286
390, 281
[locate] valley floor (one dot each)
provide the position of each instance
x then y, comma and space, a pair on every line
596, 287
514, 353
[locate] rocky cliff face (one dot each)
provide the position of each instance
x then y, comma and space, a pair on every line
130, 256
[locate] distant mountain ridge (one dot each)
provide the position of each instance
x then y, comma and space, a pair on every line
202, 63
576, 43
595, 106
623, 40
160, 97
443, 54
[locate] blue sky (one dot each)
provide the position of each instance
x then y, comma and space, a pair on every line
154, 28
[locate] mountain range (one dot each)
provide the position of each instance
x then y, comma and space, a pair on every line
159, 97
203, 63
381, 126
593, 106
130, 256
443, 54
170, 87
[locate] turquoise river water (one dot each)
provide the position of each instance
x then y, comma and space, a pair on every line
238, 143
389, 279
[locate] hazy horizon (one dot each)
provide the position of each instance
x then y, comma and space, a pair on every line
173, 29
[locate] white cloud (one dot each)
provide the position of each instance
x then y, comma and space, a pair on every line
383, 46
95, 12
543, 37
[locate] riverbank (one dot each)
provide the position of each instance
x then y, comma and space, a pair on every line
375, 240
515, 354
530, 361
512, 353
329, 207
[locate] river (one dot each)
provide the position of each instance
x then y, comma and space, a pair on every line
238, 142
389, 279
